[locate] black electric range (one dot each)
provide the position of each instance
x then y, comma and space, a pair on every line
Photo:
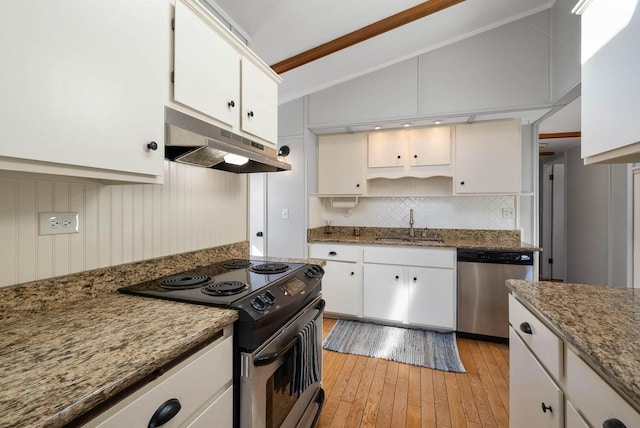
266, 293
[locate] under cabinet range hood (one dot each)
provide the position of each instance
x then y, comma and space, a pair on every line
194, 142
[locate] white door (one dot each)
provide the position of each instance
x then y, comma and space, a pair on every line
257, 214
553, 220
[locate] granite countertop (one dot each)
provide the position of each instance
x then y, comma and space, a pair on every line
602, 323
69, 344
505, 240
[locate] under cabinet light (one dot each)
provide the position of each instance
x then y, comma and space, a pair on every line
235, 159
377, 127
437, 122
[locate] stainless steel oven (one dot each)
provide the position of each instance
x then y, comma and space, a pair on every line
277, 337
280, 382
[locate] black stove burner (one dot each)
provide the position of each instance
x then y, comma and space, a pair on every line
225, 288
182, 282
237, 264
267, 268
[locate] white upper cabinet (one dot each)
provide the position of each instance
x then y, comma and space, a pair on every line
488, 157
259, 103
342, 164
610, 89
83, 88
416, 152
387, 148
220, 79
430, 146
206, 68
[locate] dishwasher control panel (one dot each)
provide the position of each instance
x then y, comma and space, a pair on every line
498, 257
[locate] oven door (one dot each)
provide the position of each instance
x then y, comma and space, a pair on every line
268, 397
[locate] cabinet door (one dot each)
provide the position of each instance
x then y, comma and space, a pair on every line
218, 414
430, 146
342, 288
488, 157
206, 68
535, 401
574, 420
385, 292
432, 297
341, 164
387, 148
259, 103
610, 88
83, 83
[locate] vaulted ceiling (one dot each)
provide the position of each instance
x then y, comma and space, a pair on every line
280, 29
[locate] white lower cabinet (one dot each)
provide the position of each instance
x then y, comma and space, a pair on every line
342, 280
200, 386
535, 400
546, 372
414, 286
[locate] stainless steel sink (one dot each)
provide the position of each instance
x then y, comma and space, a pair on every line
408, 239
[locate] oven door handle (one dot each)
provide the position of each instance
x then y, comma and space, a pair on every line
265, 360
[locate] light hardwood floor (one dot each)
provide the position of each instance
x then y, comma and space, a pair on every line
368, 392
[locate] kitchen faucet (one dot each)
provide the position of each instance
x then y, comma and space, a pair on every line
411, 232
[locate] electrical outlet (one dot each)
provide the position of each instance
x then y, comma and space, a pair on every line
285, 213
508, 213
58, 223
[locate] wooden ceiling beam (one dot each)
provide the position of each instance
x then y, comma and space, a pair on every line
365, 33
560, 135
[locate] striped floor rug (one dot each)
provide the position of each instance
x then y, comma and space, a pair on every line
417, 347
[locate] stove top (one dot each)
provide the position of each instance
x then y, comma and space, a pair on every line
219, 284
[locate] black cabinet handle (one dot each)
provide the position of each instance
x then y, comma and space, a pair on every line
462, 183
525, 328
352, 273
613, 423
415, 278
357, 185
152, 145
333, 253
259, 234
415, 156
231, 104
250, 114
545, 408
397, 277
165, 413
398, 156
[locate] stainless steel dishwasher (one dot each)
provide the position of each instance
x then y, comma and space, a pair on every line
483, 304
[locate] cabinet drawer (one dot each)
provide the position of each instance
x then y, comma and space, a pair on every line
427, 257
337, 252
573, 418
219, 414
592, 396
193, 382
542, 341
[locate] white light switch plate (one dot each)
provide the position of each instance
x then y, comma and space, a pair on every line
285, 213
58, 223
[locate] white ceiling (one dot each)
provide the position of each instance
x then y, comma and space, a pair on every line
279, 29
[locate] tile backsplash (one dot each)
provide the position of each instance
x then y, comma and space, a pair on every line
449, 212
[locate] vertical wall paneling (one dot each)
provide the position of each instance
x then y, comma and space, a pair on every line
8, 231
105, 224
90, 226
77, 251
196, 208
26, 236
61, 247
44, 254
116, 225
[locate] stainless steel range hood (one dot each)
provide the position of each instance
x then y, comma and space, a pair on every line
195, 142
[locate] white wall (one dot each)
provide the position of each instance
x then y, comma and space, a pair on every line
597, 224
196, 208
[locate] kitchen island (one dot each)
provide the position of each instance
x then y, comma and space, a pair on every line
71, 344
599, 329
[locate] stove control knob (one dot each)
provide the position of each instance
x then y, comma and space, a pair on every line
258, 304
269, 297
314, 271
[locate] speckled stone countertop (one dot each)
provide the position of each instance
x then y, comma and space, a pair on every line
601, 323
68, 344
506, 240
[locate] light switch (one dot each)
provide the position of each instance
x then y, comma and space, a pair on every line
285, 213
